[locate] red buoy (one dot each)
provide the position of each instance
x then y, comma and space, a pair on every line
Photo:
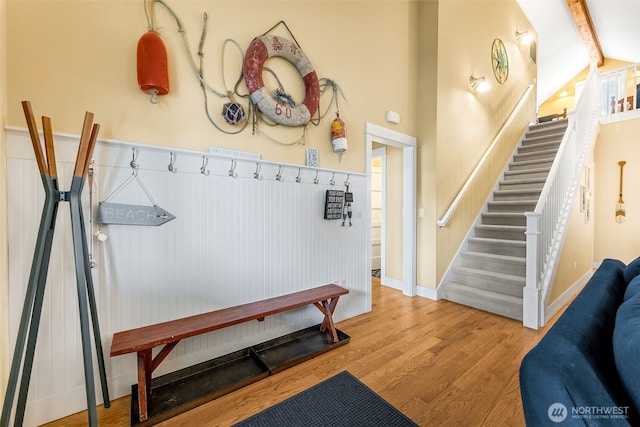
153, 73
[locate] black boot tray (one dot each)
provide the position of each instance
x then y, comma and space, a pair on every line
180, 391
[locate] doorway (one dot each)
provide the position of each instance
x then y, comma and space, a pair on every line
378, 214
377, 135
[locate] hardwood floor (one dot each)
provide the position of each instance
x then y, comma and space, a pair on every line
440, 363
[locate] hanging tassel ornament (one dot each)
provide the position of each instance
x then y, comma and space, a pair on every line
338, 136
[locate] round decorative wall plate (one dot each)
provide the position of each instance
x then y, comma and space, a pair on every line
499, 61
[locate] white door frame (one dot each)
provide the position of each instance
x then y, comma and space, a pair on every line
408, 144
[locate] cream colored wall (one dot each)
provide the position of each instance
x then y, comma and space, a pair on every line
467, 122
89, 64
4, 289
602, 237
558, 101
427, 108
616, 142
576, 258
86, 61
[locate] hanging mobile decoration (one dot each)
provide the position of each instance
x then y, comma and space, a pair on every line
620, 210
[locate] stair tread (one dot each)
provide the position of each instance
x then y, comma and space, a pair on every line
530, 162
517, 192
526, 171
502, 227
523, 180
509, 299
508, 258
498, 241
505, 214
514, 202
503, 276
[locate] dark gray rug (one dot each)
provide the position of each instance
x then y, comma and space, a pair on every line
341, 400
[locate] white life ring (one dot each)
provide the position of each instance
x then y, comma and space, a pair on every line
259, 50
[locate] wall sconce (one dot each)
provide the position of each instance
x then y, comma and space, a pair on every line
524, 37
479, 84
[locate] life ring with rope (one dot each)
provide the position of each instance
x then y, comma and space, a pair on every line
288, 114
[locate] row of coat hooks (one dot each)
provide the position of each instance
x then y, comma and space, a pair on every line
257, 174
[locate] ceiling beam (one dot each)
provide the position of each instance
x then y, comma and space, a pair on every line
580, 13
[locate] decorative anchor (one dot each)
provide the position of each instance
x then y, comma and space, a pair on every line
32, 309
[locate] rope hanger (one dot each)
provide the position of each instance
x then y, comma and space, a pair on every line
134, 175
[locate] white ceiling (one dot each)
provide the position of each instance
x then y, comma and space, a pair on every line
561, 51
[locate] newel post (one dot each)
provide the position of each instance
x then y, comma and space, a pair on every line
531, 293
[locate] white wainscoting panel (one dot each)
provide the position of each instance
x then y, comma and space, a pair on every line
234, 240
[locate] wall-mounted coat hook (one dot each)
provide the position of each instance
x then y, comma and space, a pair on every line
232, 171
133, 163
256, 174
299, 177
203, 168
172, 163
316, 180
346, 183
332, 181
279, 174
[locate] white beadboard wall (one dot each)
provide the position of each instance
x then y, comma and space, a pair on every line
234, 240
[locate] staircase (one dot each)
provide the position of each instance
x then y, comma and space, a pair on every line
490, 274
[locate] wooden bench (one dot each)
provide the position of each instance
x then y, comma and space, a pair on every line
143, 340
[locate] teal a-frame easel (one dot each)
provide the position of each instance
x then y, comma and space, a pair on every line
32, 309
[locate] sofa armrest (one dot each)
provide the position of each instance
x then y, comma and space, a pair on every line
573, 364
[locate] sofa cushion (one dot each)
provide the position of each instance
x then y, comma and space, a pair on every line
626, 346
573, 364
632, 270
633, 288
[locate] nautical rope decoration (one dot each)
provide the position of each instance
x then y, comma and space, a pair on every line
620, 211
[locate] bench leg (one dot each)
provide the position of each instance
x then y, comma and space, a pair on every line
327, 308
145, 367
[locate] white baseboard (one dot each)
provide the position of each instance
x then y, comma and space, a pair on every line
428, 293
420, 291
566, 296
391, 283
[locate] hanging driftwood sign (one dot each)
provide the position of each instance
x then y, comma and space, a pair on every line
333, 202
124, 214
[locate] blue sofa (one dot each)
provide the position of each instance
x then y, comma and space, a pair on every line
586, 369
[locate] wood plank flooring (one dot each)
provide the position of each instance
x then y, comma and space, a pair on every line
440, 363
